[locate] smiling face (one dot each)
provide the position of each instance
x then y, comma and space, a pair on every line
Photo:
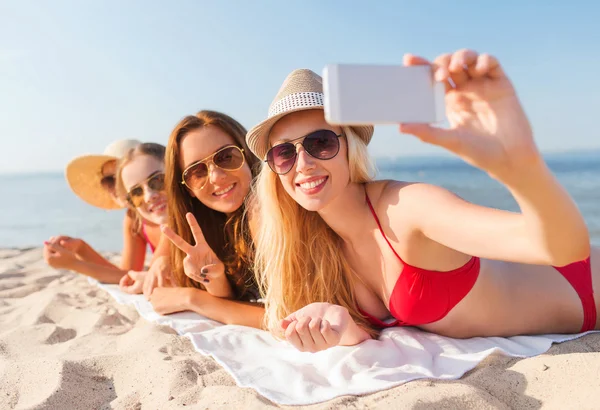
223, 190
311, 182
135, 174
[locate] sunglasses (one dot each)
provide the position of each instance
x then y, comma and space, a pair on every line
108, 183
229, 158
321, 144
155, 182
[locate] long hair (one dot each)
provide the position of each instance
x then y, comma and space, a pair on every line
228, 237
298, 259
149, 148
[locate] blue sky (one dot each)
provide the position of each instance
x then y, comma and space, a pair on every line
75, 75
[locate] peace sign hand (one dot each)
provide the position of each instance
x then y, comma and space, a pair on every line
201, 264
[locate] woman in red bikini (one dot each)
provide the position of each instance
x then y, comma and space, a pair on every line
340, 256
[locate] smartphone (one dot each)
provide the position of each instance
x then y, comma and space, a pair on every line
379, 94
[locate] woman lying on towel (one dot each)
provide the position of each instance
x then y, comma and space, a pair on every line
93, 178
340, 256
209, 172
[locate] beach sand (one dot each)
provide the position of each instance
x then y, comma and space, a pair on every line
66, 344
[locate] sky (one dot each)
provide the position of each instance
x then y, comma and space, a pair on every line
77, 75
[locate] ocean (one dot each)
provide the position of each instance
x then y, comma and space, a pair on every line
37, 206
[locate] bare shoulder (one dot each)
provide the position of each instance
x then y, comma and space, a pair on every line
402, 202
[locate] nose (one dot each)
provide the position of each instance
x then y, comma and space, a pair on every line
150, 194
304, 162
215, 174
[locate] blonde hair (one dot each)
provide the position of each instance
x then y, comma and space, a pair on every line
297, 255
148, 148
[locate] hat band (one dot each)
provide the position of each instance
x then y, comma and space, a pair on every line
294, 101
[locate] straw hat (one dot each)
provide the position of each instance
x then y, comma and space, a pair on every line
84, 174
301, 90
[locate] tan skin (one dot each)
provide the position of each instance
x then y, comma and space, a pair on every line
201, 263
517, 291
64, 252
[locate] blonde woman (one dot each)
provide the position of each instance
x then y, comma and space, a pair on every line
340, 256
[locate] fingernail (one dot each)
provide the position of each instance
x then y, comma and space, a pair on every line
204, 270
46, 242
206, 281
203, 275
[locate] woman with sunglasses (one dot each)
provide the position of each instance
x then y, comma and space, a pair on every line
93, 179
209, 173
341, 256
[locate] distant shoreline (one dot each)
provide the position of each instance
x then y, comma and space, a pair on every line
582, 153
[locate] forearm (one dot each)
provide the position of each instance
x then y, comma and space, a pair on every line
105, 274
551, 219
230, 312
89, 254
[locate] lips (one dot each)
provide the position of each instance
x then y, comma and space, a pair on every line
158, 207
313, 185
225, 190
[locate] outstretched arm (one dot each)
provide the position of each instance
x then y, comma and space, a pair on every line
230, 312
489, 129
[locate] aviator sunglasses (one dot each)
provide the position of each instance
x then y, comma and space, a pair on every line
321, 144
155, 182
229, 158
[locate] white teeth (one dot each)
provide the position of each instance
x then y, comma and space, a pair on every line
312, 184
224, 191
158, 208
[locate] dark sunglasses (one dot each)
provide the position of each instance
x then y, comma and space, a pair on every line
321, 144
108, 182
229, 158
155, 182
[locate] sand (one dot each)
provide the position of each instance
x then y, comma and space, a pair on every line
66, 344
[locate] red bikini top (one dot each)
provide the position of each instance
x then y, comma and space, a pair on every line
422, 296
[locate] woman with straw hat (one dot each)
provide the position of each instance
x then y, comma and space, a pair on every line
340, 256
93, 179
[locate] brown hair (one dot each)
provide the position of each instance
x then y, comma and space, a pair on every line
227, 236
148, 148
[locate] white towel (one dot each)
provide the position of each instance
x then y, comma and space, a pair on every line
286, 376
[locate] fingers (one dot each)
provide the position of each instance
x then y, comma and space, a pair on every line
460, 65
149, 285
212, 272
196, 230
126, 284
332, 338
465, 64
137, 275
292, 336
488, 65
54, 247
410, 60
192, 270
176, 239
441, 71
445, 138
310, 334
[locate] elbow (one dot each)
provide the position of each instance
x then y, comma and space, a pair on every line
568, 253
